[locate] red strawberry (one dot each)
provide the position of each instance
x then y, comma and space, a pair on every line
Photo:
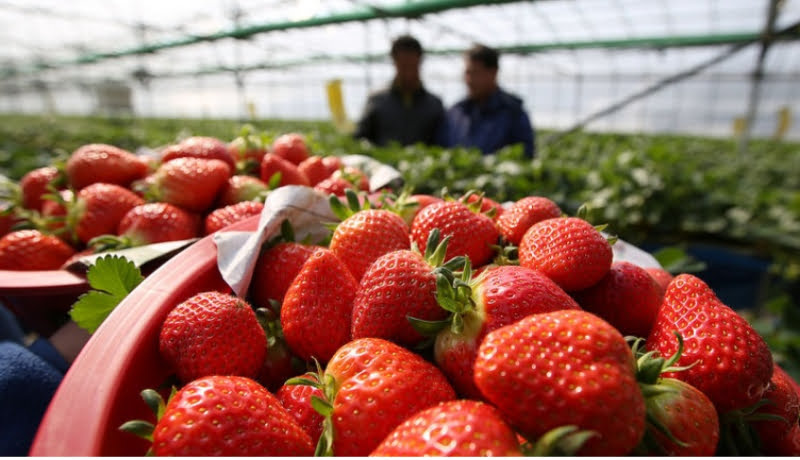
94, 163
472, 233
334, 185
789, 446
156, 223
566, 367
317, 307
661, 276
280, 364
212, 333
353, 175
32, 250
275, 270
296, 399
627, 297
332, 164
314, 168
732, 363
200, 147
498, 297
523, 214
568, 250
227, 416
378, 385
34, 184
488, 205
272, 164
99, 209
223, 217
452, 429
54, 212
247, 148
783, 402
366, 235
190, 183
291, 147
241, 188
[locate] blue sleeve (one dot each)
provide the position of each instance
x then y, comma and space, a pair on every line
522, 131
27, 384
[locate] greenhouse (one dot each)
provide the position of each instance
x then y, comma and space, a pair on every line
440, 194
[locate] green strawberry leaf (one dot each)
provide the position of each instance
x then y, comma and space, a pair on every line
112, 278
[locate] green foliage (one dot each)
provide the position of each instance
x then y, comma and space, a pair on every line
112, 278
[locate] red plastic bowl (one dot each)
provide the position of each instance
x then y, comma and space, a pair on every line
41, 299
102, 388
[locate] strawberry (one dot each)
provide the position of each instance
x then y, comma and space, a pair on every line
334, 185
316, 310
332, 164
275, 270
371, 386
291, 147
567, 367
156, 223
280, 364
452, 429
98, 210
473, 234
199, 147
661, 276
296, 399
34, 184
732, 363
366, 235
354, 176
103, 163
568, 250
523, 214
627, 297
789, 446
398, 285
222, 416
54, 211
196, 338
784, 402
247, 148
32, 250
277, 172
314, 168
223, 217
190, 183
241, 188
500, 296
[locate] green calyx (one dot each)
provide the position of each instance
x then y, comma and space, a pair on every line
327, 384
143, 428
453, 294
353, 206
104, 243
402, 205
650, 365
561, 441
476, 205
737, 436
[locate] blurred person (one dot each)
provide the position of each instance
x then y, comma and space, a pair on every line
489, 118
405, 112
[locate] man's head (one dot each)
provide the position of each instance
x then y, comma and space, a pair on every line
407, 56
480, 71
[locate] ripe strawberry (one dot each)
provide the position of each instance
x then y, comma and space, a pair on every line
296, 399
377, 385
34, 184
523, 214
32, 250
733, 364
499, 297
789, 446
190, 183
783, 402
103, 163
99, 209
452, 429
156, 223
366, 235
291, 147
275, 270
272, 164
223, 217
314, 168
568, 250
334, 185
661, 276
200, 147
247, 148
472, 234
353, 175
226, 416
332, 164
627, 297
317, 307
196, 338
565, 367
241, 188
54, 212
280, 364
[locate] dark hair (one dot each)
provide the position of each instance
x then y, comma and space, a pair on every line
489, 57
406, 43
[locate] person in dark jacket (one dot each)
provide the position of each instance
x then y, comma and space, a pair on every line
488, 118
405, 112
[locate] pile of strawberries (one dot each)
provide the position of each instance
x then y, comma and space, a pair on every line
103, 197
458, 327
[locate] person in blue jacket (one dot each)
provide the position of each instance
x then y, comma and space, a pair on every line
489, 118
29, 376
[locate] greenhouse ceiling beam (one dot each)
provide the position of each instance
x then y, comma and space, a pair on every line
400, 10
